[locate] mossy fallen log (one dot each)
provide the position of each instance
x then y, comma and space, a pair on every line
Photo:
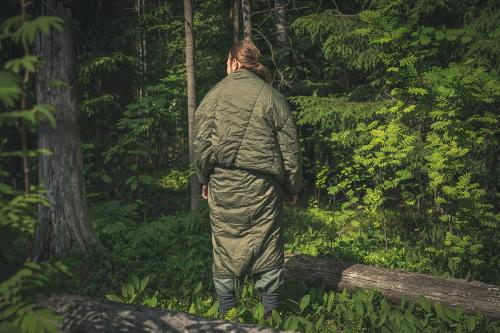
472, 297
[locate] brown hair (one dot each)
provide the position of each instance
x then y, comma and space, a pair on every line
247, 53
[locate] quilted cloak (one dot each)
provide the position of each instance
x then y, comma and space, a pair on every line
246, 149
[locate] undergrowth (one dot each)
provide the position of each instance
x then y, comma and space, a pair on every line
167, 264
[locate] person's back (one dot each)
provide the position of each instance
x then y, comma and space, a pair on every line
247, 115
246, 151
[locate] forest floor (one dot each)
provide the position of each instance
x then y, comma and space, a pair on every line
166, 263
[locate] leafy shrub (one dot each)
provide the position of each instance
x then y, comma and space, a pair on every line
409, 150
19, 311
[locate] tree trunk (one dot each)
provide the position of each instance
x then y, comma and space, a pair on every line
247, 22
63, 226
472, 297
236, 20
141, 50
191, 92
83, 314
281, 27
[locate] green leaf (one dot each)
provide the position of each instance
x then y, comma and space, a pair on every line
114, 298
439, 311
45, 112
358, 307
192, 309
198, 287
258, 312
304, 302
26, 115
130, 290
329, 303
144, 283
151, 301
319, 322
276, 318
134, 280
124, 291
294, 323
10, 88
471, 324
213, 309
9, 328
28, 63
11, 24
26, 33
424, 303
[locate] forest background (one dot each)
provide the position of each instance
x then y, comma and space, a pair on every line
397, 107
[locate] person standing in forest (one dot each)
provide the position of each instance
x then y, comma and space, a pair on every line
247, 157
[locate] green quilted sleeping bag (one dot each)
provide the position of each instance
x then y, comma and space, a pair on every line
246, 149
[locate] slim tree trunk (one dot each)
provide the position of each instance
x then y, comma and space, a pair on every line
191, 91
141, 49
236, 20
247, 22
63, 226
280, 18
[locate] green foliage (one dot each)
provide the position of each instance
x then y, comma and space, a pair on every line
24, 31
10, 89
139, 102
184, 283
16, 209
177, 179
340, 37
316, 232
133, 292
19, 311
397, 106
174, 251
112, 220
418, 144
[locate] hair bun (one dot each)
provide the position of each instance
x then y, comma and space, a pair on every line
248, 55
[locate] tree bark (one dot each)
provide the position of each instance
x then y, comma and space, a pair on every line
236, 20
247, 22
82, 314
141, 50
63, 226
191, 92
472, 297
281, 26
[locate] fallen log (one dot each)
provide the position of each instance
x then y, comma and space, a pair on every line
472, 297
83, 314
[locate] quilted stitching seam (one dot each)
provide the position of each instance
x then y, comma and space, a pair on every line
248, 122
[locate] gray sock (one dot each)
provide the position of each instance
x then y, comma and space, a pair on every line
226, 302
270, 301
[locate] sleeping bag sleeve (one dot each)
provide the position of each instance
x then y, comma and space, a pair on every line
202, 143
288, 141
